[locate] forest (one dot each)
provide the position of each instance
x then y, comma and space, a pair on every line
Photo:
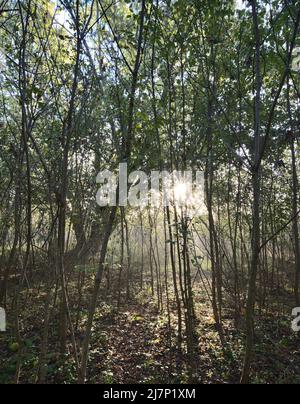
204, 289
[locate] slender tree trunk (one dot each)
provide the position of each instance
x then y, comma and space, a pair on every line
109, 228
295, 195
256, 183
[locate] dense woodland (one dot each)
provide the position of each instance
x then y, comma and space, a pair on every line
113, 295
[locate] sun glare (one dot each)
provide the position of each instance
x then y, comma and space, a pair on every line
180, 191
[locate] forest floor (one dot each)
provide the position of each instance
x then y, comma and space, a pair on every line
131, 345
